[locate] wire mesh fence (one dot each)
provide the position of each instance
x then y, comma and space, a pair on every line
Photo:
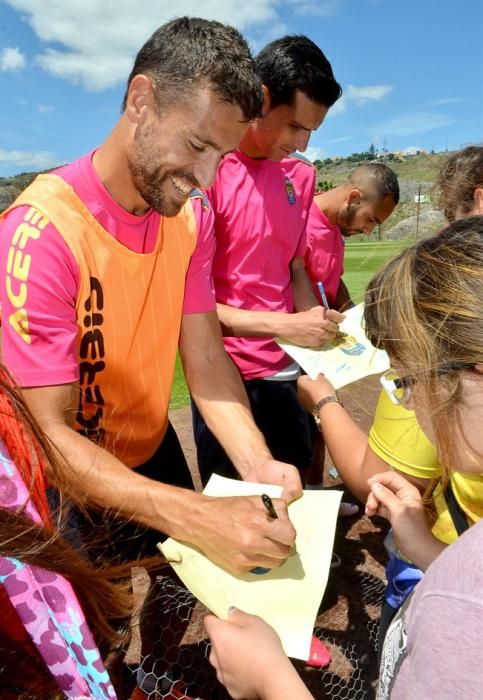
172, 659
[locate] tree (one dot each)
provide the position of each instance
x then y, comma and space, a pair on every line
372, 150
325, 185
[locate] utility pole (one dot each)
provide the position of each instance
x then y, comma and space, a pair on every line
417, 211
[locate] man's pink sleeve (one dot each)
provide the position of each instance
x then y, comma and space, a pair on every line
38, 290
199, 296
304, 240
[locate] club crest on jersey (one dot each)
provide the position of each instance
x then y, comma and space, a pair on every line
289, 189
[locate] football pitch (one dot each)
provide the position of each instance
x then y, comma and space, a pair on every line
362, 260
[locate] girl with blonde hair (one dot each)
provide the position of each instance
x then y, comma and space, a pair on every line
433, 331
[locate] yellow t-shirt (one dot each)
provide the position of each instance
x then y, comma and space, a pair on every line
396, 438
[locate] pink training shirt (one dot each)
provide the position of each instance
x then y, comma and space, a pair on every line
261, 208
52, 356
324, 258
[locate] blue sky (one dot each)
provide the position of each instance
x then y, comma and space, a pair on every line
412, 71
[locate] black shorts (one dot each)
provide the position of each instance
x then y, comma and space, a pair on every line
103, 535
281, 419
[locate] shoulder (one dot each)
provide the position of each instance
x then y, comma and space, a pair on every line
299, 169
299, 164
199, 198
299, 158
397, 438
203, 213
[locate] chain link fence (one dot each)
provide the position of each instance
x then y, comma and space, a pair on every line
175, 664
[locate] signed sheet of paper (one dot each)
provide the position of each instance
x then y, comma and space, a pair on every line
288, 597
343, 360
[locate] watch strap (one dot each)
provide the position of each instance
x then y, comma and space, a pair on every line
327, 399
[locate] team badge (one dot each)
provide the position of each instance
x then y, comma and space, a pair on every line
289, 189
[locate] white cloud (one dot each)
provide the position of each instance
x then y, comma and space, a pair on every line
322, 8
446, 101
370, 93
411, 124
413, 149
360, 96
95, 41
12, 59
40, 160
313, 153
340, 139
43, 109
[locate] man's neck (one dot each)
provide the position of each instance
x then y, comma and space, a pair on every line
110, 163
330, 202
248, 144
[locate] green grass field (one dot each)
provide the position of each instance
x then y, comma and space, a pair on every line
361, 261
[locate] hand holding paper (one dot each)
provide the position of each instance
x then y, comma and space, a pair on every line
345, 359
286, 597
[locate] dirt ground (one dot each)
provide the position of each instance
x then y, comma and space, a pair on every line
347, 620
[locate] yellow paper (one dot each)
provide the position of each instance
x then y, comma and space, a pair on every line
345, 359
289, 597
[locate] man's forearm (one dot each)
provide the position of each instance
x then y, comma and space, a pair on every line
229, 416
251, 323
93, 476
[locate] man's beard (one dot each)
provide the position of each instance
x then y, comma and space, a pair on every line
150, 184
349, 216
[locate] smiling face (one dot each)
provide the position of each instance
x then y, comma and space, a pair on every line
285, 128
361, 214
179, 148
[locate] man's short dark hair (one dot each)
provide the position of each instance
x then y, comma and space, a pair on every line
296, 63
189, 51
376, 180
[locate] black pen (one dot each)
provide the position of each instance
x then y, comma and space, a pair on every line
267, 502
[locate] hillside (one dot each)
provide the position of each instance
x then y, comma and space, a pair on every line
416, 174
10, 187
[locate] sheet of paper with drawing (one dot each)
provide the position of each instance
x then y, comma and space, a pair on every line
345, 359
288, 597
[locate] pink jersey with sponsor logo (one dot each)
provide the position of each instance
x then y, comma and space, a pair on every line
53, 278
261, 209
324, 258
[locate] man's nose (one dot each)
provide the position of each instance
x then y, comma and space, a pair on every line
302, 141
206, 167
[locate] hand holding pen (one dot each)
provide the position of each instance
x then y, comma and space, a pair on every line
269, 507
321, 289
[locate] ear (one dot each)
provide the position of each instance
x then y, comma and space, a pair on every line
354, 197
140, 99
267, 100
478, 200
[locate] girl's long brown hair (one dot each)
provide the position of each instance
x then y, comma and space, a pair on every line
104, 593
